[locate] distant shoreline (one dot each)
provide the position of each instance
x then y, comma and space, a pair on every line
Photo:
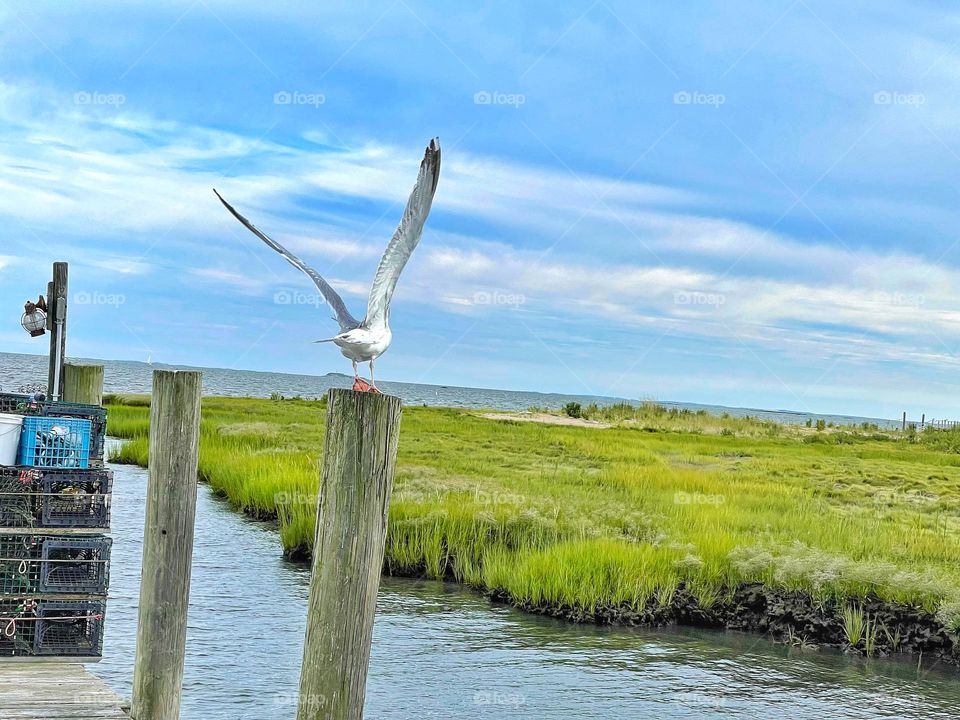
263, 383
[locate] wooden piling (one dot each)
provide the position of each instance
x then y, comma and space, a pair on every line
83, 383
167, 545
360, 453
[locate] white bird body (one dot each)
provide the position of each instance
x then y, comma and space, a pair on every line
363, 344
366, 340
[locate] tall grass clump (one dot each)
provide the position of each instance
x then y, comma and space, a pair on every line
854, 624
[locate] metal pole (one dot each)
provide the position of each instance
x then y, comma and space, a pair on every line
57, 324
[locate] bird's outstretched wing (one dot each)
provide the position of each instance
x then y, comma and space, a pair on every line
343, 316
405, 238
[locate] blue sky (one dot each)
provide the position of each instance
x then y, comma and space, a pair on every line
738, 203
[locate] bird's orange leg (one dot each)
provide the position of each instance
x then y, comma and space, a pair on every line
359, 383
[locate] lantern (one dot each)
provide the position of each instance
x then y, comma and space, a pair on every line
34, 319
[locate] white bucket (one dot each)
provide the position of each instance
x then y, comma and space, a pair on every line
10, 426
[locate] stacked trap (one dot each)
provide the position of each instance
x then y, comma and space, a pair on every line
54, 513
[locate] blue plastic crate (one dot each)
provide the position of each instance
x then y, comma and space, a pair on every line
55, 442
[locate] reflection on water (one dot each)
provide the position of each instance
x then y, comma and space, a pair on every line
440, 651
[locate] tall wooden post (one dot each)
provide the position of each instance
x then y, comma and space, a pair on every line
360, 453
167, 544
83, 383
904, 420
57, 325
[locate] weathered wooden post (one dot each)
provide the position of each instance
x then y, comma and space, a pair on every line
360, 453
167, 544
904, 420
83, 383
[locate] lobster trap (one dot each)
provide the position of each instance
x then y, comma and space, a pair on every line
37, 564
53, 498
30, 627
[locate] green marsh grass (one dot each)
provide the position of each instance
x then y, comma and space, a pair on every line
588, 517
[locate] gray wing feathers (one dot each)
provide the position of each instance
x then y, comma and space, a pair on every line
405, 238
343, 316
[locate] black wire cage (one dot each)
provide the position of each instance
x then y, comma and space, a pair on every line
53, 498
54, 565
30, 627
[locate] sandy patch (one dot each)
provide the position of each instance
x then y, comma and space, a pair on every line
545, 418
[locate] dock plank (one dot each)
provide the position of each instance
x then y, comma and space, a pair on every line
56, 691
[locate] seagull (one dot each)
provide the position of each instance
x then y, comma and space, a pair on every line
366, 340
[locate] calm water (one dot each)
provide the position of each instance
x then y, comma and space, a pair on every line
135, 377
442, 652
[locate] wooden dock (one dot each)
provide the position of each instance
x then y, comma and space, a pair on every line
56, 690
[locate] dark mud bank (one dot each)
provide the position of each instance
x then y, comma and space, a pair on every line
785, 615
788, 616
